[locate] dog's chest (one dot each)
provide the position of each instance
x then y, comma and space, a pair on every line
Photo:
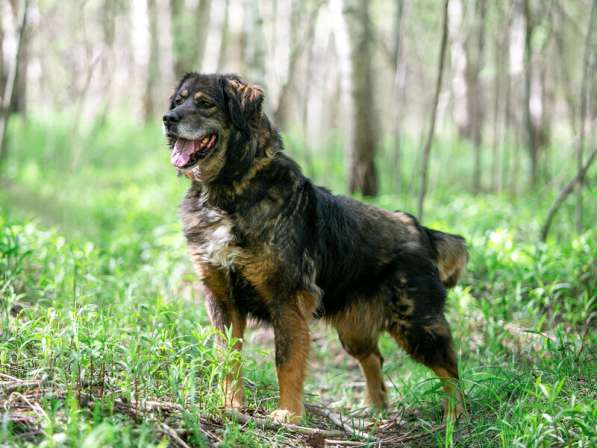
211, 237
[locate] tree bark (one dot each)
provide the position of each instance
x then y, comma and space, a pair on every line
584, 93
153, 65
199, 33
433, 117
2, 75
298, 44
398, 88
364, 142
498, 77
459, 63
9, 87
253, 47
531, 131
189, 35
223, 53
475, 103
18, 104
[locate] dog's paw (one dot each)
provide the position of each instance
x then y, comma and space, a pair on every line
453, 411
284, 416
236, 404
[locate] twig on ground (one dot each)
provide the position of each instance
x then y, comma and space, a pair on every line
173, 435
270, 424
338, 421
332, 442
7, 387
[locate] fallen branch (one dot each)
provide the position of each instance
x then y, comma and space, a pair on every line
338, 421
173, 435
272, 425
332, 442
10, 386
565, 192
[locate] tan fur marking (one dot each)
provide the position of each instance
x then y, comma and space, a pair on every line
291, 373
184, 93
240, 185
216, 282
376, 389
233, 389
407, 221
454, 404
259, 271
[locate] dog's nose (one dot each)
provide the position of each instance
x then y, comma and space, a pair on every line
171, 118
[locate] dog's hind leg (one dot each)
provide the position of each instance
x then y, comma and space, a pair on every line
359, 339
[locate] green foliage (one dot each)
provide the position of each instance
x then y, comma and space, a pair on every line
97, 300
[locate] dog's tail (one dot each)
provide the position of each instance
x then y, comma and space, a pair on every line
452, 255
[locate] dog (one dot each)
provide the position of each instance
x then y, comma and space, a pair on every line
269, 244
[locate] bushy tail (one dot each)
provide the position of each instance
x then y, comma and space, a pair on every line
452, 255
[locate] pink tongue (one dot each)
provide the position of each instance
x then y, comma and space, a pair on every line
182, 152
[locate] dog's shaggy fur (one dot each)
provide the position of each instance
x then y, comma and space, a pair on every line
269, 244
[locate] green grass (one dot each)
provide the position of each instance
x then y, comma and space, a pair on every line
99, 318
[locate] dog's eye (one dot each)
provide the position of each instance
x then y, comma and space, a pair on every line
204, 104
178, 101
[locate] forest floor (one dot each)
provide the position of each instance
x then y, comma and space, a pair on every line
105, 342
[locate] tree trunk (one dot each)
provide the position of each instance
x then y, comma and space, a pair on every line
179, 38
362, 174
199, 33
2, 75
438, 88
9, 87
153, 65
584, 100
530, 128
474, 101
459, 64
398, 89
223, 53
499, 46
298, 43
282, 112
566, 81
18, 104
189, 35
253, 43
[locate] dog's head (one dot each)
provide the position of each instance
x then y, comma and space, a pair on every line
210, 126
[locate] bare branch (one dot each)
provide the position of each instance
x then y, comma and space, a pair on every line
438, 87
580, 175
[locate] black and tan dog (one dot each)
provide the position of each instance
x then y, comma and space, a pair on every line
269, 244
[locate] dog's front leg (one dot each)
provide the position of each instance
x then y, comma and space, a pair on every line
224, 315
292, 339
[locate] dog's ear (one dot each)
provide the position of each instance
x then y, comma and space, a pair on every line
243, 101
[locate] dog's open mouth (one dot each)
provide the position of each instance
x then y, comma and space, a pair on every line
187, 153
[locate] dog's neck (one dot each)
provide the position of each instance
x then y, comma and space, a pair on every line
264, 142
